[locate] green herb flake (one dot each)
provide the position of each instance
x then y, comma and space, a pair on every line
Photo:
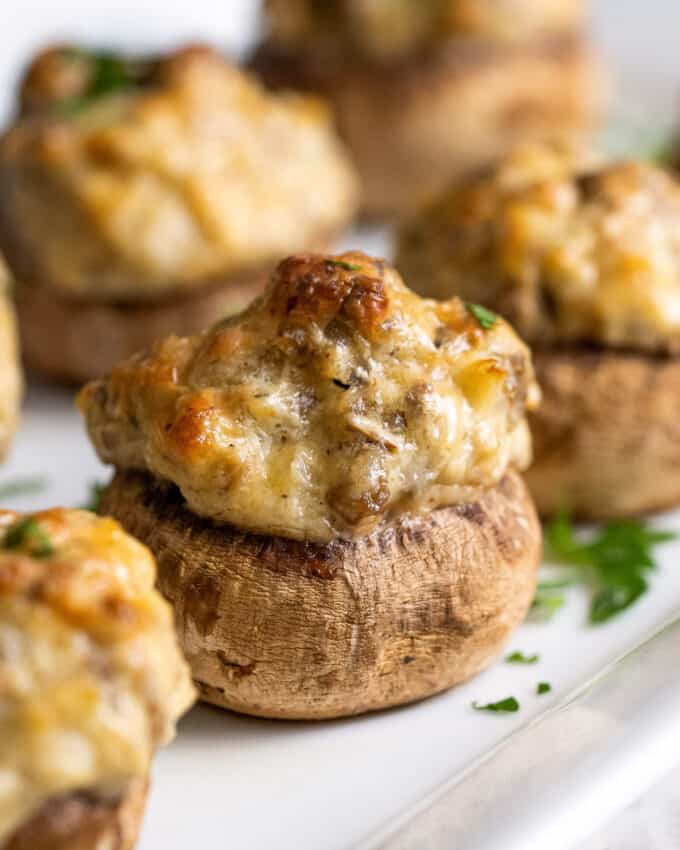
545, 605
613, 563
341, 264
521, 658
485, 318
543, 688
509, 705
96, 490
29, 532
22, 487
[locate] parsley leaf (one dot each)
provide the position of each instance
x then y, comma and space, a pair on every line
342, 264
96, 490
485, 318
22, 487
30, 533
613, 563
521, 658
504, 706
543, 688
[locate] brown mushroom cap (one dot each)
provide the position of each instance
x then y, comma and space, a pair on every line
74, 340
415, 124
607, 435
84, 822
282, 628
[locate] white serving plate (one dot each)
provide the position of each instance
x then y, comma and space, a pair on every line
230, 781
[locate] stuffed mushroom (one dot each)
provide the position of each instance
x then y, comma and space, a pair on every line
424, 91
91, 681
330, 483
140, 198
583, 257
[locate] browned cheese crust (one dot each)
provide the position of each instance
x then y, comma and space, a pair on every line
84, 822
607, 435
414, 125
282, 628
335, 401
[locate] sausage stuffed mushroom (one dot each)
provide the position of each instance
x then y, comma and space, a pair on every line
330, 484
91, 681
584, 260
140, 198
424, 91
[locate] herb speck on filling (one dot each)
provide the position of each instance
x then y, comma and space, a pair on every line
486, 319
28, 533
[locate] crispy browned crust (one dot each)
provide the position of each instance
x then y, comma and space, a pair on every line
281, 628
73, 341
414, 125
607, 435
84, 822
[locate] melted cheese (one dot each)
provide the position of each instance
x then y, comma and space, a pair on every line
200, 176
568, 250
337, 400
91, 678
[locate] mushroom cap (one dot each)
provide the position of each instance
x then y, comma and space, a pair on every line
414, 125
606, 436
284, 628
84, 822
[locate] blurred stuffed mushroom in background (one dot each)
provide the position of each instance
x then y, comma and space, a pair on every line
144, 197
425, 91
583, 257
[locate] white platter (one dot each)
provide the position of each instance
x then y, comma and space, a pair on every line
230, 781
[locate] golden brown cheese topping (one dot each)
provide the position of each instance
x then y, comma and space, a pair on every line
336, 400
91, 678
11, 380
386, 29
138, 180
566, 251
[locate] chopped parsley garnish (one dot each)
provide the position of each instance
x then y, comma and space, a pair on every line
341, 264
614, 563
22, 487
485, 318
543, 688
108, 74
521, 658
96, 490
29, 532
504, 706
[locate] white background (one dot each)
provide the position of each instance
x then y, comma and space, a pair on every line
638, 35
